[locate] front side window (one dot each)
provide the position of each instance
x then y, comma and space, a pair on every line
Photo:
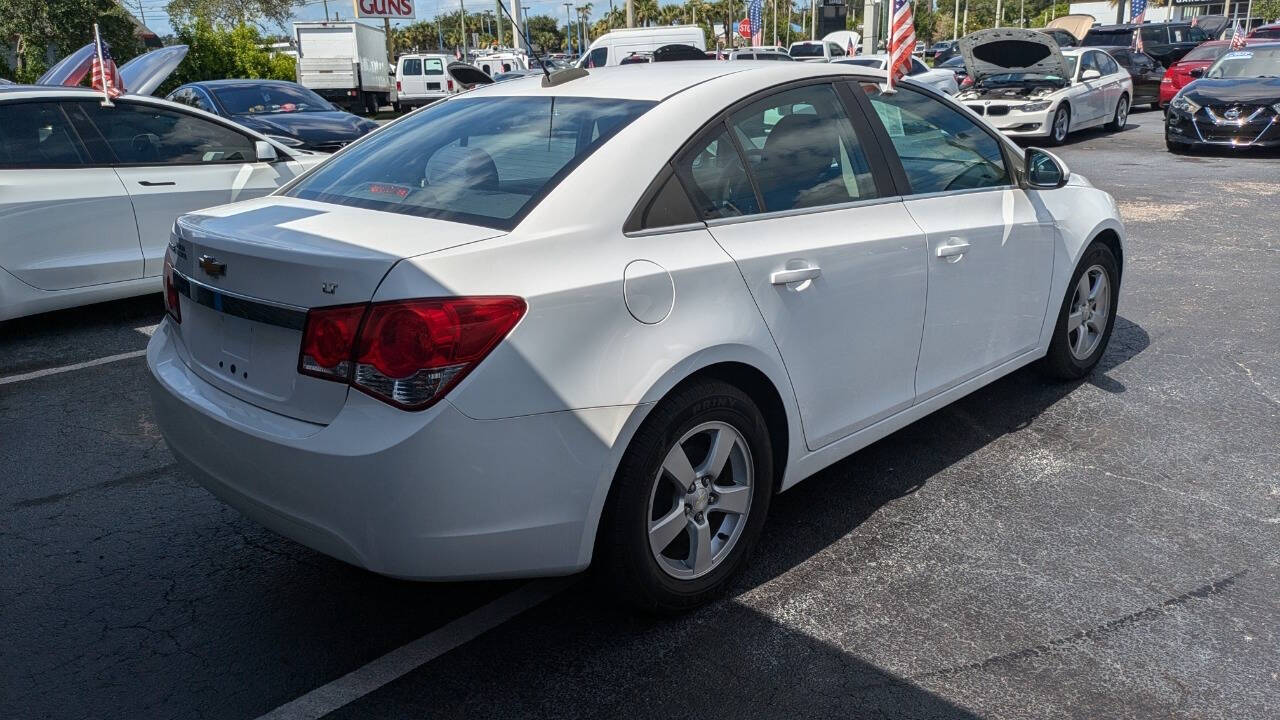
145, 135
1107, 64
941, 149
36, 135
598, 57
1197, 34
484, 161
1089, 61
802, 150
412, 66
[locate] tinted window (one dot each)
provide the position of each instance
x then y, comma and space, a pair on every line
1107, 64
1207, 52
598, 57
260, 98
868, 62
940, 148
411, 66
835, 50
713, 174
917, 67
1185, 33
1266, 33
807, 50
147, 135
181, 96
1089, 61
483, 161
802, 150
1154, 34
200, 100
1120, 37
37, 135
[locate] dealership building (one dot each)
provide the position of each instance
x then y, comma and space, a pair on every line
1105, 12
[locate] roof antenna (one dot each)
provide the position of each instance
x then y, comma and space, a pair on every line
548, 79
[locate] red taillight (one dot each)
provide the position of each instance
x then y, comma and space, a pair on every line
968, 80
408, 353
171, 292
450, 85
397, 86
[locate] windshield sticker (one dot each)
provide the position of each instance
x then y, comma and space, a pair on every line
398, 191
891, 116
1238, 55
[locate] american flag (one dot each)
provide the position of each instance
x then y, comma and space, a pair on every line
902, 40
1237, 37
1137, 16
756, 19
106, 76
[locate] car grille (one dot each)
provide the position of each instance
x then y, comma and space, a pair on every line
329, 147
1235, 112
979, 109
996, 110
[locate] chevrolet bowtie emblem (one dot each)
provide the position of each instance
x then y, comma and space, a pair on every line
212, 267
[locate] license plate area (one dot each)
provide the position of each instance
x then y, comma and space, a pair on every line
433, 86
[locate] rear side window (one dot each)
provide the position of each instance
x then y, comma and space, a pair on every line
484, 161
1154, 35
412, 66
713, 172
36, 135
941, 149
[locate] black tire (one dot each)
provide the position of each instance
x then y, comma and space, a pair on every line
370, 104
1118, 121
1053, 125
623, 559
1061, 363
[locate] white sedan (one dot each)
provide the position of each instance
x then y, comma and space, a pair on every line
611, 331
88, 194
1026, 86
942, 80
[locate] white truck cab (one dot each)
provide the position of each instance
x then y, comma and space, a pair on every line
611, 47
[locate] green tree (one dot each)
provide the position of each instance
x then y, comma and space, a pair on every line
1269, 9
216, 53
230, 13
31, 27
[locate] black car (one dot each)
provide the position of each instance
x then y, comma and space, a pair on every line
943, 51
955, 65
283, 111
1166, 42
1146, 71
1235, 104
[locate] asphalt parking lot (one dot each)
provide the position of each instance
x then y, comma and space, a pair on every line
1107, 548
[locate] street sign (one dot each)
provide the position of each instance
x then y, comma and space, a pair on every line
389, 9
744, 28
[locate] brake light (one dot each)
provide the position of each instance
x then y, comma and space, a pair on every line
171, 291
407, 353
397, 86
450, 85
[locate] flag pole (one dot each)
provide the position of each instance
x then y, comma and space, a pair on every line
102, 67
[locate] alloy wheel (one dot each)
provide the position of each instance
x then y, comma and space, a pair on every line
1122, 113
1061, 122
700, 500
1090, 312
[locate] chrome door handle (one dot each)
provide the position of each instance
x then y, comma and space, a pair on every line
783, 277
954, 248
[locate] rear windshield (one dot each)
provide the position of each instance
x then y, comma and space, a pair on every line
1207, 52
1103, 38
484, 161
269, 98
807, 50
1267, 33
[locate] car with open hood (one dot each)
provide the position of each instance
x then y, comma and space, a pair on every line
283, 111
92, 190
1236, 104
1026, 86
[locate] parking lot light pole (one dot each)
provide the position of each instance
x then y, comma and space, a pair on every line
568, 28
631, 14
955, 22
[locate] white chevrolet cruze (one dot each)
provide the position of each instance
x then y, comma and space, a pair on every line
604, 319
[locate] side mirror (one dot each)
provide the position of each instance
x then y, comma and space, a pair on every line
265, 151
1197, 72
1090, 75
1045, 171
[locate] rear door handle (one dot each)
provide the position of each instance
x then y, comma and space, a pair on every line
156, 183
954, 248
783, 277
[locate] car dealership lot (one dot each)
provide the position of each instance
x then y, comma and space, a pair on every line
1099, 549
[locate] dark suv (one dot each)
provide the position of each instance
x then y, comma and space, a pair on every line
1166, 42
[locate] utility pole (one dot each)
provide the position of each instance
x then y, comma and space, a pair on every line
964, 27
999, 13
502, 40
955, 22
631, 14
775, 23
870, 26
1022, 13
568, 29
813, 31
582, 29
326, 10
462, 24
517, 25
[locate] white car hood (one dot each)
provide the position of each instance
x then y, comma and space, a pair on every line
1000, 51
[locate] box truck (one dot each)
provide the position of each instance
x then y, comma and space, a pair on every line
346, 63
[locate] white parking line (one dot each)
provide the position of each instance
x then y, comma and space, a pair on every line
68, 368
362, 681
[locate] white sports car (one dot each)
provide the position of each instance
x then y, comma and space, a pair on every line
1025, 86
88, 194
611, 331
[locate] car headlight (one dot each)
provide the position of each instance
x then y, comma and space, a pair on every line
1035, 106
286, 141
1185, 104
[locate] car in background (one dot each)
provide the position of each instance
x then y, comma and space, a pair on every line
815, 51
618, 44
91, 192
283, 111
422, 79
779, 264
3, 81
1146, 72
515, 75
1069, 30
638, 57
1027, 86
493, 63
945, 50
956, 66
1193, 65
760, 54
1167, 42
1265, 32
1236, 104
944, 81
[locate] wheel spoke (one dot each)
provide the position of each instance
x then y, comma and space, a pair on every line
1082, 289
1094, 286
700, 547
734, 499
1082, 338
1074, 320
678, 467
721, 445
667, 528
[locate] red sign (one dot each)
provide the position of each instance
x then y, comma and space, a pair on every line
393, 9
744, 28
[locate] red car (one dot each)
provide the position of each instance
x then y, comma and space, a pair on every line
1266, 32
1204, 55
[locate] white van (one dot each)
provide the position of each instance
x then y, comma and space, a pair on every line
424, 79
611, 47
816, 51
501, 62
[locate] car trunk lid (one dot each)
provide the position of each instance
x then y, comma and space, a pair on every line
250, 271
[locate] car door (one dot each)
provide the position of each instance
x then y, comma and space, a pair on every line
1089, 105
831, 257
173, 162
411, 80
65, 218
1114, 84
990, 247
1147, 75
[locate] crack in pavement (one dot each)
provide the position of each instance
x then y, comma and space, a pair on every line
138, 478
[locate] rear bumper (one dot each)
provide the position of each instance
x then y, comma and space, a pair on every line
433, 495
